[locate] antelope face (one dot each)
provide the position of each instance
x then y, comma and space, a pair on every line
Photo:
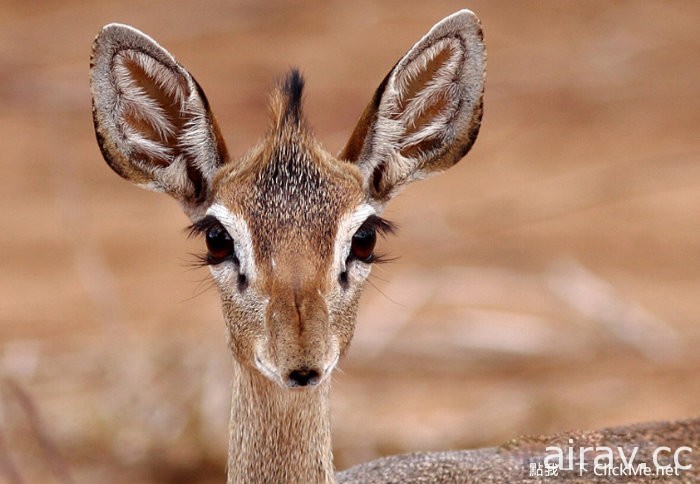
290, 239
290, 230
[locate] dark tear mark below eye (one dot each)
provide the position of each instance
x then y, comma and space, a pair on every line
242, 282
343, 279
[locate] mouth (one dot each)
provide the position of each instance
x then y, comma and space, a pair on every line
331, 366
297, 379
267, 371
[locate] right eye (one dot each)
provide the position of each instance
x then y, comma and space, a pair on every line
219, 244
365, 238
363, 243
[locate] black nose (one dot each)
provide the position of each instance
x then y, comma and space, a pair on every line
303, 377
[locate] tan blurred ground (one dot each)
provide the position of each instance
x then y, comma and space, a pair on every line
549, 282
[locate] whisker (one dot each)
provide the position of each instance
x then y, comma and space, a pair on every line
392, 300
202, 287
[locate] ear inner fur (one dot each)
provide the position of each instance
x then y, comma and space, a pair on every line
426, 113
152, 120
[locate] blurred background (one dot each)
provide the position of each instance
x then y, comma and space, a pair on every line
549, 282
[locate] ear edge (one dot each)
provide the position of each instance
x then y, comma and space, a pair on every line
206, 151
112, 39
110, 152
464, 26
357, 142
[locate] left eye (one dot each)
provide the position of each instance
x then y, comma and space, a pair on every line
363, 242
219, 244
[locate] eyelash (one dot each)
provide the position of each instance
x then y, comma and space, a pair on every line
200, 229
379, 226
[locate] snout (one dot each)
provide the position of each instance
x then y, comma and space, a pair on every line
299, 349
295, 376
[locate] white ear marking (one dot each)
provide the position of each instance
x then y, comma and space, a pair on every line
133, 99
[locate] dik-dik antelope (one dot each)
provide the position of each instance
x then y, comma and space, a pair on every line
290, 229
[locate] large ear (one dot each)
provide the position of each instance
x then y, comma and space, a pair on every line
152, 120
425, 115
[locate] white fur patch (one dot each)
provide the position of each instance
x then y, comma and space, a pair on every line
242, 243
347, 227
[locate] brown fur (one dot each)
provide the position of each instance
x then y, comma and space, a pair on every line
291, 209
511, 461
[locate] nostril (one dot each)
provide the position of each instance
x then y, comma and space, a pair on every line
303, 377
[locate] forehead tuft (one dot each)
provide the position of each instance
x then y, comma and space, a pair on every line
286, 101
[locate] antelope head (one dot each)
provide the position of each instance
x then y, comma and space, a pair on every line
290, 229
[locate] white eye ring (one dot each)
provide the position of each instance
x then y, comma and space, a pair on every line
242, 246
347, 226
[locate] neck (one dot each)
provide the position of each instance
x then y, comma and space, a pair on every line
278, 435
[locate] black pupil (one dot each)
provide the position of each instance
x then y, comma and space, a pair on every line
219, 243
363, 244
